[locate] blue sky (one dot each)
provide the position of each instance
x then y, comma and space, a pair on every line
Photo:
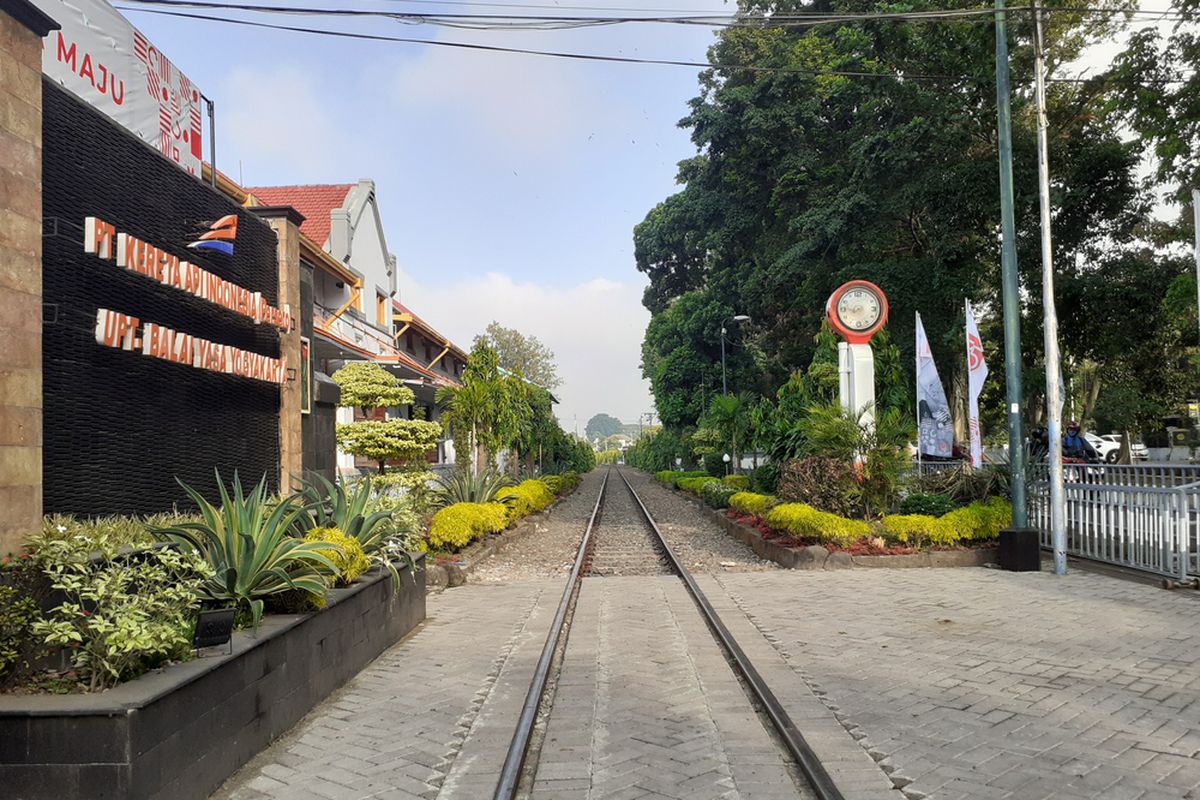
509, 184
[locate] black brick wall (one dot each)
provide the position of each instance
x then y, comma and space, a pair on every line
120, 426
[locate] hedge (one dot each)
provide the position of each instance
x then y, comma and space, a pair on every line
751, 503
716, 494
694, 485
737, 481
806, 522
525, 498
457, 525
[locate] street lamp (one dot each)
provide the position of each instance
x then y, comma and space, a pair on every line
735, 318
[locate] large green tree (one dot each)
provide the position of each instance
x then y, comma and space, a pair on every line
602, 425
518, 352
868, 150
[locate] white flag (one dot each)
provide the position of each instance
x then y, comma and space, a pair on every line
935, 434
977, 373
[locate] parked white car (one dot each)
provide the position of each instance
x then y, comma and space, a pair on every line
1108, 447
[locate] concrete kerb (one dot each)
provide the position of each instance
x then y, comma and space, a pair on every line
442, 576
817, 557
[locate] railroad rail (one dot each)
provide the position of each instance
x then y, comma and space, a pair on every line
819, 780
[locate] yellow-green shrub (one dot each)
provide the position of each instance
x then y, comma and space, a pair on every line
737, 481
805, 522
916, 529
345, 552
457, 525
980, 520
694, 485
751, 503
525, 498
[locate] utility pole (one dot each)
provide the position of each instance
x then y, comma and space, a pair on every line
1058, 508
1196, 224
1011, 289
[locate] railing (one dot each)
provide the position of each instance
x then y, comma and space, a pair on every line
349, 327
1145, 527
1162, 475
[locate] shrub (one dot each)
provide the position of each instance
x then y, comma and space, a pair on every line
716, 494
737, 481
120, 614
751, 503
18, 613
930, 504
826, 484
459, 524
694, 485
526, 498
553, 482
248, 545
805, 522
346, 553
981, 520
917, 529
569, 480
463, 487
666, 476
964, 486
765, 479
345, 509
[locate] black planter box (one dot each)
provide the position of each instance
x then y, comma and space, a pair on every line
177, 734
1020, 550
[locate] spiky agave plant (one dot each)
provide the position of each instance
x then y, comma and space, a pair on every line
325, 504
462, 487
248, 544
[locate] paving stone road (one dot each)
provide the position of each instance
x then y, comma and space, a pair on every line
977, 683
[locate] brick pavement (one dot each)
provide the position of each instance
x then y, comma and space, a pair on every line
973, 683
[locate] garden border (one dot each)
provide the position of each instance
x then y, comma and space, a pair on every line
817, 557
179, 732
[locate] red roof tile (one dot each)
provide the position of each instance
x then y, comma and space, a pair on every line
314, 202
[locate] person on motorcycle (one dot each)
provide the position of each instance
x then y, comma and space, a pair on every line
1075, 446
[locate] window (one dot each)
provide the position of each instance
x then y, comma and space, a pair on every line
408, 343
381, 308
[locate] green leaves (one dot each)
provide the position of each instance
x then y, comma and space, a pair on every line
367, 385
387, 440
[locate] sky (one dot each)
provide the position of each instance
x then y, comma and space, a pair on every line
509, 185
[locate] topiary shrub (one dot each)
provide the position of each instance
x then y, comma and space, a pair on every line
805, 522
345, 552
526, 498
716, 494
931, 504
751, 503
737, 481
457, 525
826, 484
694, 485
918, 529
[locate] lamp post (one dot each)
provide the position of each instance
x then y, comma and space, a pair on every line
735, 318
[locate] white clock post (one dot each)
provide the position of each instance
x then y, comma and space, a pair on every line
857, 311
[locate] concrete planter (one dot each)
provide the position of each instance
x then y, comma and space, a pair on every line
178, 733
817, 557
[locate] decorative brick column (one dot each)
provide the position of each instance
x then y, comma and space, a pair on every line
285, 221
22, 27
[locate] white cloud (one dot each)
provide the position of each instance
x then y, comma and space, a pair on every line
277, 120
594, 328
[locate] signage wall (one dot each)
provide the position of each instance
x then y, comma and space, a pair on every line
159, 353
100, 57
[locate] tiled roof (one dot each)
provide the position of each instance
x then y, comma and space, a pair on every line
314, 202
425, 326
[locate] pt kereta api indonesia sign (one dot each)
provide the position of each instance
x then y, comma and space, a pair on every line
98, 56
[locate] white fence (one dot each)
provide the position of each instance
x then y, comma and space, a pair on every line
1143, 517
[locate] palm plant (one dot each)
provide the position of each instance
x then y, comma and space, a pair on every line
248, 543
465, 488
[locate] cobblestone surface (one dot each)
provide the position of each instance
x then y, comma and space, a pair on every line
974, 683
699, 542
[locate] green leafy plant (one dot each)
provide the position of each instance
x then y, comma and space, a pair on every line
122, 613
248, 545
737, 481
18, 613
337, 506
344, 551
463, 487
825, 483
389, 440
694, 485
751, 503
716, 494
806, 522
932, 504
457, 525
367, 385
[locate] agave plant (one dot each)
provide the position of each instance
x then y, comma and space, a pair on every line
248, 544
335, 505
463, 487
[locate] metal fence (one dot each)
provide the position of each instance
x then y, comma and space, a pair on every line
1141, 517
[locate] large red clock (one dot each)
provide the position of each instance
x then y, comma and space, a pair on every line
857, 310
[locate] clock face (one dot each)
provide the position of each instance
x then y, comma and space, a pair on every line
859, 308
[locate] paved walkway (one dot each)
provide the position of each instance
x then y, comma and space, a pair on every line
975, 683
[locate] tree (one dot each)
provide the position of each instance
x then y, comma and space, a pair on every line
491, 409
389, 440
602, 426
517, 352
367, 385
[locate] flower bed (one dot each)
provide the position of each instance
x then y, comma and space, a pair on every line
179, 732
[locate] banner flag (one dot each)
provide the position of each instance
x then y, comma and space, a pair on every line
103, 59
977, 373
935, 434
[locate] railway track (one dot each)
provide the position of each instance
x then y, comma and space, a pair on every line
621, 539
